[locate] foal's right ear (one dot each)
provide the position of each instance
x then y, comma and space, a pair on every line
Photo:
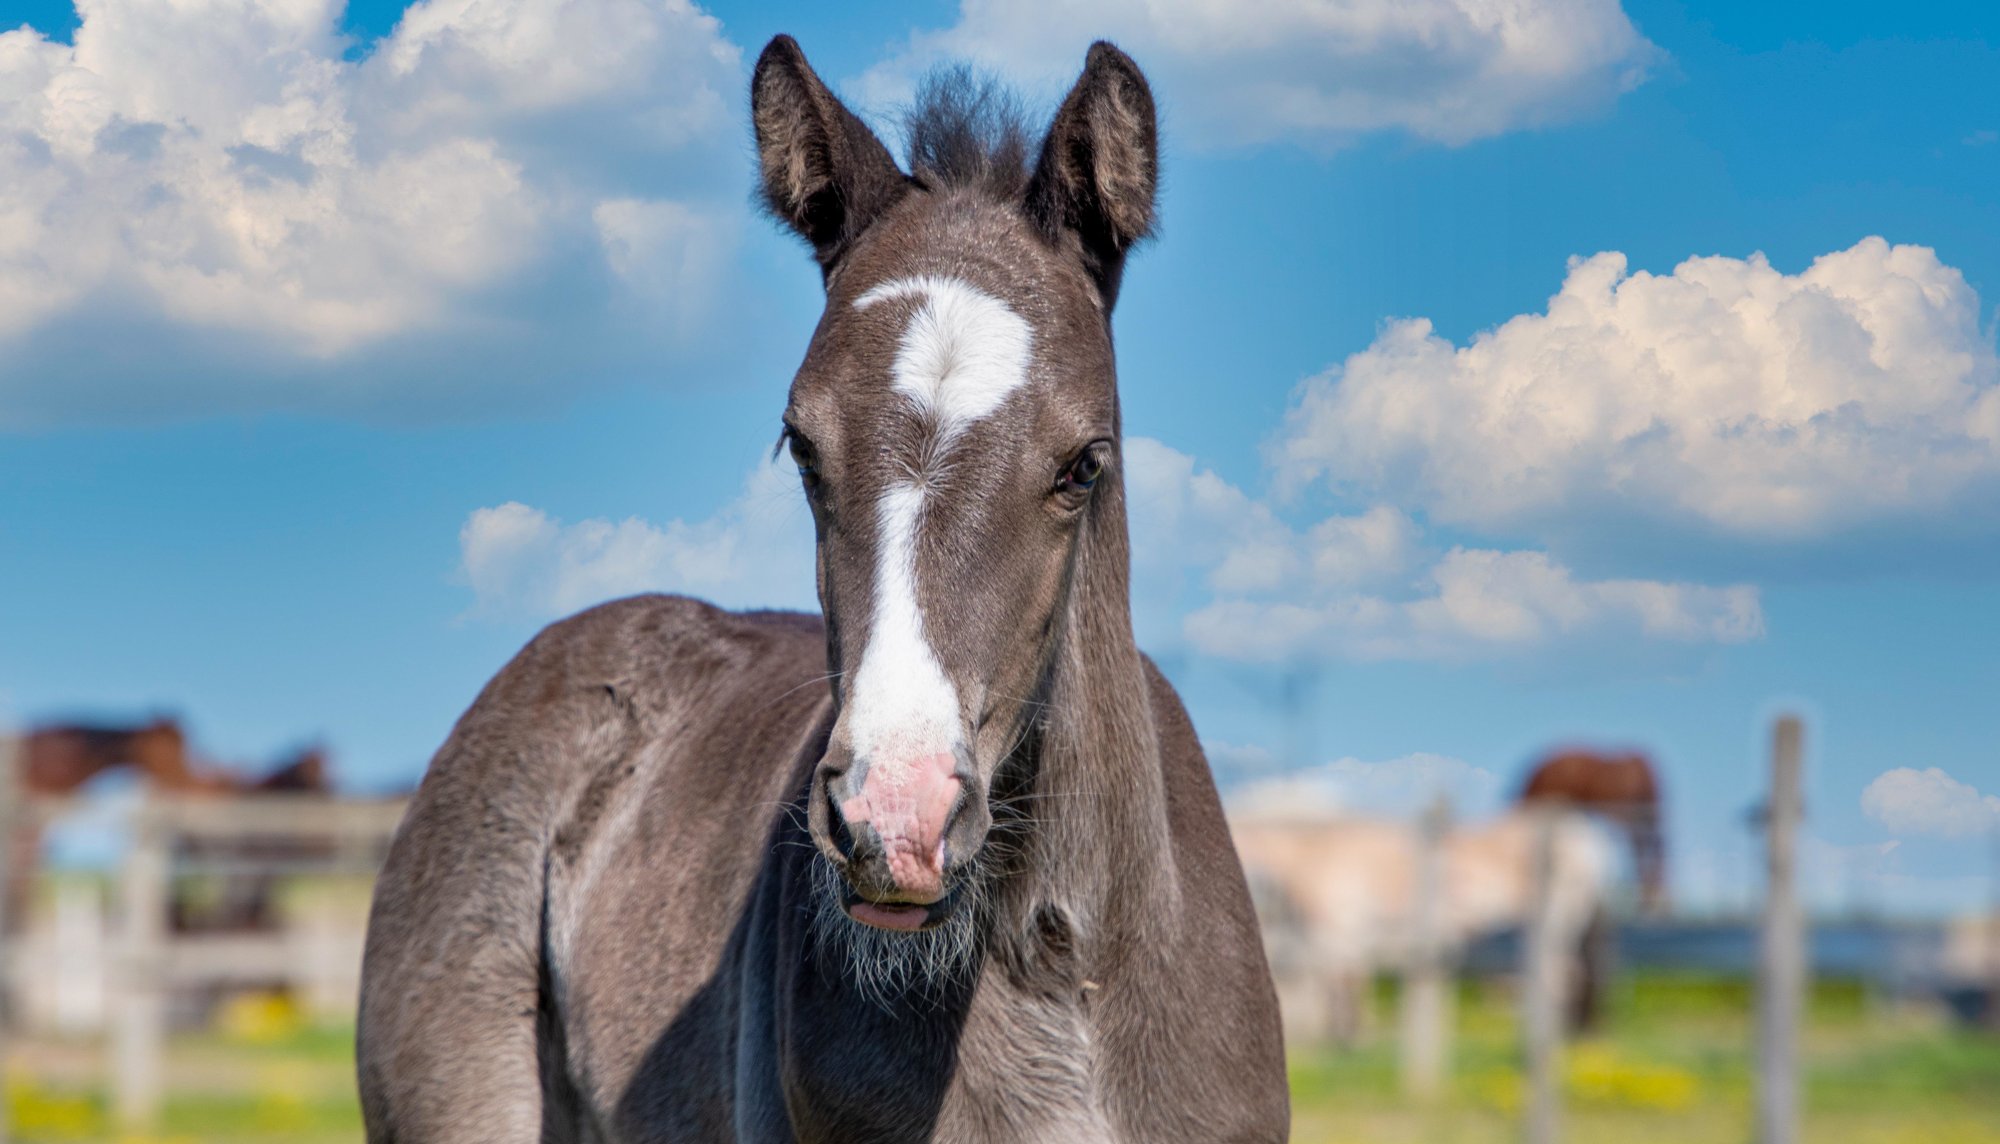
1100, 166
825, 174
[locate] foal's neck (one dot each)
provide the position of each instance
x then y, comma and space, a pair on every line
1101, 848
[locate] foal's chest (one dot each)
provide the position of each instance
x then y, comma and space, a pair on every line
1000, 1066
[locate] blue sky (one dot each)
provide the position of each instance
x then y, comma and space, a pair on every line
315, 376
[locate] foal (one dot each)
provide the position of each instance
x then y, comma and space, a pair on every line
945, 865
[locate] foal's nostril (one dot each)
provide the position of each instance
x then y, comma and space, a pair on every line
836, 826
950, 848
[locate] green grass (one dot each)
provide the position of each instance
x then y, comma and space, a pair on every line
1674, 1065
264, 1082
1674, 1068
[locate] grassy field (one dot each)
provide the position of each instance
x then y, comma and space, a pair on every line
283, 1084
1674, 1067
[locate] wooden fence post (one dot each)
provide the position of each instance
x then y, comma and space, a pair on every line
1427, 1008
1781, 968
1541, 995
77, 996
139, 1013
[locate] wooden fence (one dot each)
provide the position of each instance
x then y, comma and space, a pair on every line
1781, 974
171, 837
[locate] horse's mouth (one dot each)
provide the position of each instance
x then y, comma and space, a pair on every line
900, 917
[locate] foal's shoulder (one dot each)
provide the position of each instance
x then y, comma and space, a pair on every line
640, 652
659, 624
657, 637
586, 688
650, 649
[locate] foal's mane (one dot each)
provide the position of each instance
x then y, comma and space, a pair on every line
967, 131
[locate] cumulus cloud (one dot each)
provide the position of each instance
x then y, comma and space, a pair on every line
1910, 801
1182, 515
1478, 604
756, 551
215, 179
1445, 70
1726, 396
1371, 587
1398, 787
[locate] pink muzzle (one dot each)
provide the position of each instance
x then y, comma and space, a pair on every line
908, 803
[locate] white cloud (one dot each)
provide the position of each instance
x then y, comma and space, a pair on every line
1184, 516
1368, 587
217, 170
1398, 787
1478, 604
657, 62
1881, 878
757, 551
1726, 396
1320, 72
1909, 801
1186, 521
664, 251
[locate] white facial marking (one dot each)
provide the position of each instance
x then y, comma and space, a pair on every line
963, 352
904, 707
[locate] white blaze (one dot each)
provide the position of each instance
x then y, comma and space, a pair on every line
963, 352
904, 707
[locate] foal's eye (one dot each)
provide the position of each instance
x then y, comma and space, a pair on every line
803, 455
1083, 472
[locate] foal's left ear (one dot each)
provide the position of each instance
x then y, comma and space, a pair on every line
1100, 166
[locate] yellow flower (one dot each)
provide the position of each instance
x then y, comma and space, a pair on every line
259, 1018
1597, 1074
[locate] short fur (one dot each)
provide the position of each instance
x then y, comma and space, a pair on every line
617, 910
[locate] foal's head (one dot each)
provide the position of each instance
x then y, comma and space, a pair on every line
956, 426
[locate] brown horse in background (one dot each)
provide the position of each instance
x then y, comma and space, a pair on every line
60, 759
1623, 788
